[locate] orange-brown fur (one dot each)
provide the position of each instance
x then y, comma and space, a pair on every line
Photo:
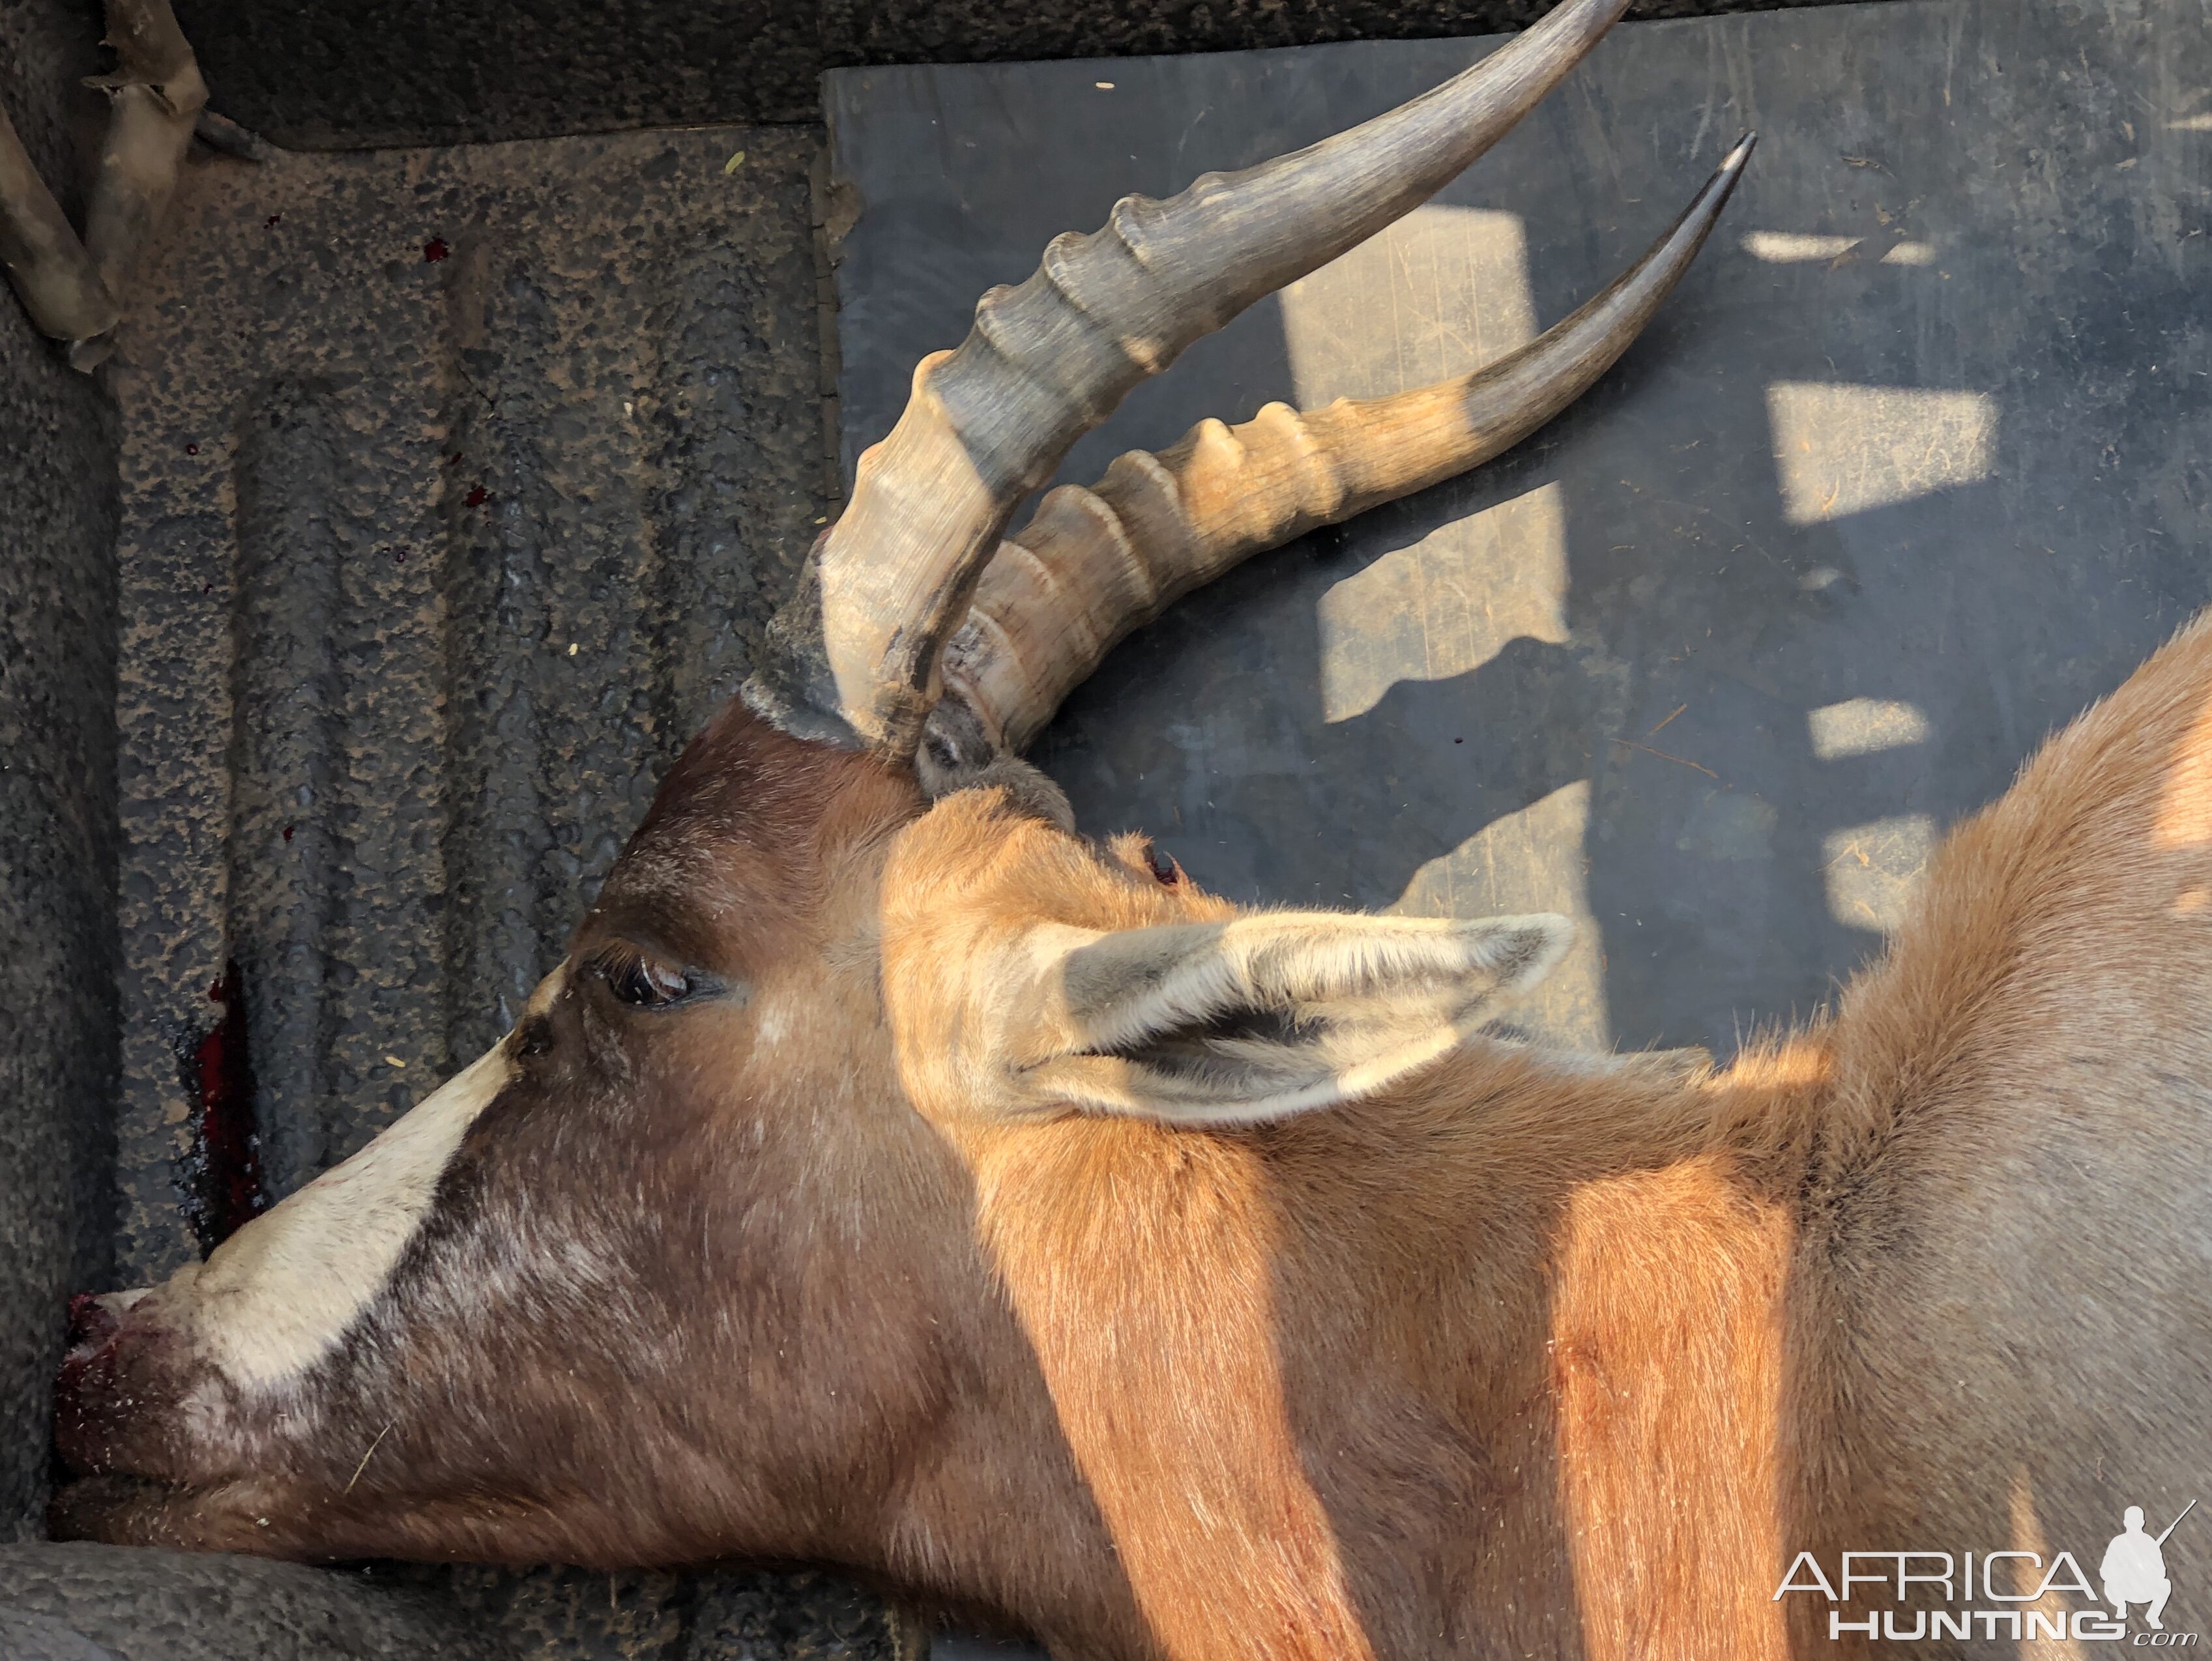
1514, 1358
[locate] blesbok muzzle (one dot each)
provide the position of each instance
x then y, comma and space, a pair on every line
215, 1374
121, 1404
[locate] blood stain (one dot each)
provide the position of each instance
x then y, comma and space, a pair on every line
228, 1148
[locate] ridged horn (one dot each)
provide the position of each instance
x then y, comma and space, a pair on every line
71, 287
156, 93
853, 657
1096, 563
59, 282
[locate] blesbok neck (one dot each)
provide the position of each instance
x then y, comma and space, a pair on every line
1373, 1344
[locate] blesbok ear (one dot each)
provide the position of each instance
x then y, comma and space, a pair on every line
1260, 1017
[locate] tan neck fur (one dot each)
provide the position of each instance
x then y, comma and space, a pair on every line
1448, 1466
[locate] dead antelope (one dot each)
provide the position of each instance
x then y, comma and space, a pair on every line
891, 1176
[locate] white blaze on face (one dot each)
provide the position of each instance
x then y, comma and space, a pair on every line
276, 1296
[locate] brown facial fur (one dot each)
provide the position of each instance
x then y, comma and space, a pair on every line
1517, 1357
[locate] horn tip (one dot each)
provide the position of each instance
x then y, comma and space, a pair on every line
1733, 162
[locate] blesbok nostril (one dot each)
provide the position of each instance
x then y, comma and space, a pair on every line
91, 1322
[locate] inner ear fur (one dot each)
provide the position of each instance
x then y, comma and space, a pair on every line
1258, 1017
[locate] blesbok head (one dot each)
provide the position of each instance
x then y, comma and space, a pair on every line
691, 1265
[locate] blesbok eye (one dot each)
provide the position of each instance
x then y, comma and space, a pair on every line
641, 981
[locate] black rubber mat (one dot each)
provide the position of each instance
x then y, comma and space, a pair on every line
1912, 467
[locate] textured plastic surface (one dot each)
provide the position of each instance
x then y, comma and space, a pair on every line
28, 1637
457, 482
57, 835
86, 1602
1911, 468
144, 1605
384, 72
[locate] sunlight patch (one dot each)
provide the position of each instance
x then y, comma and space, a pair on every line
1862, 726
1532, 860
1441, 293
1842, 449
1871, 870
1795, 248
1447, 605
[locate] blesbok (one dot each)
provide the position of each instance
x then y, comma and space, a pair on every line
890, 1176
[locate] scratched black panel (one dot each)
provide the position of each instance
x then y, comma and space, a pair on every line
1911, 468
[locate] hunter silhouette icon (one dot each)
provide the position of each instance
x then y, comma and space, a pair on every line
2134, 1569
